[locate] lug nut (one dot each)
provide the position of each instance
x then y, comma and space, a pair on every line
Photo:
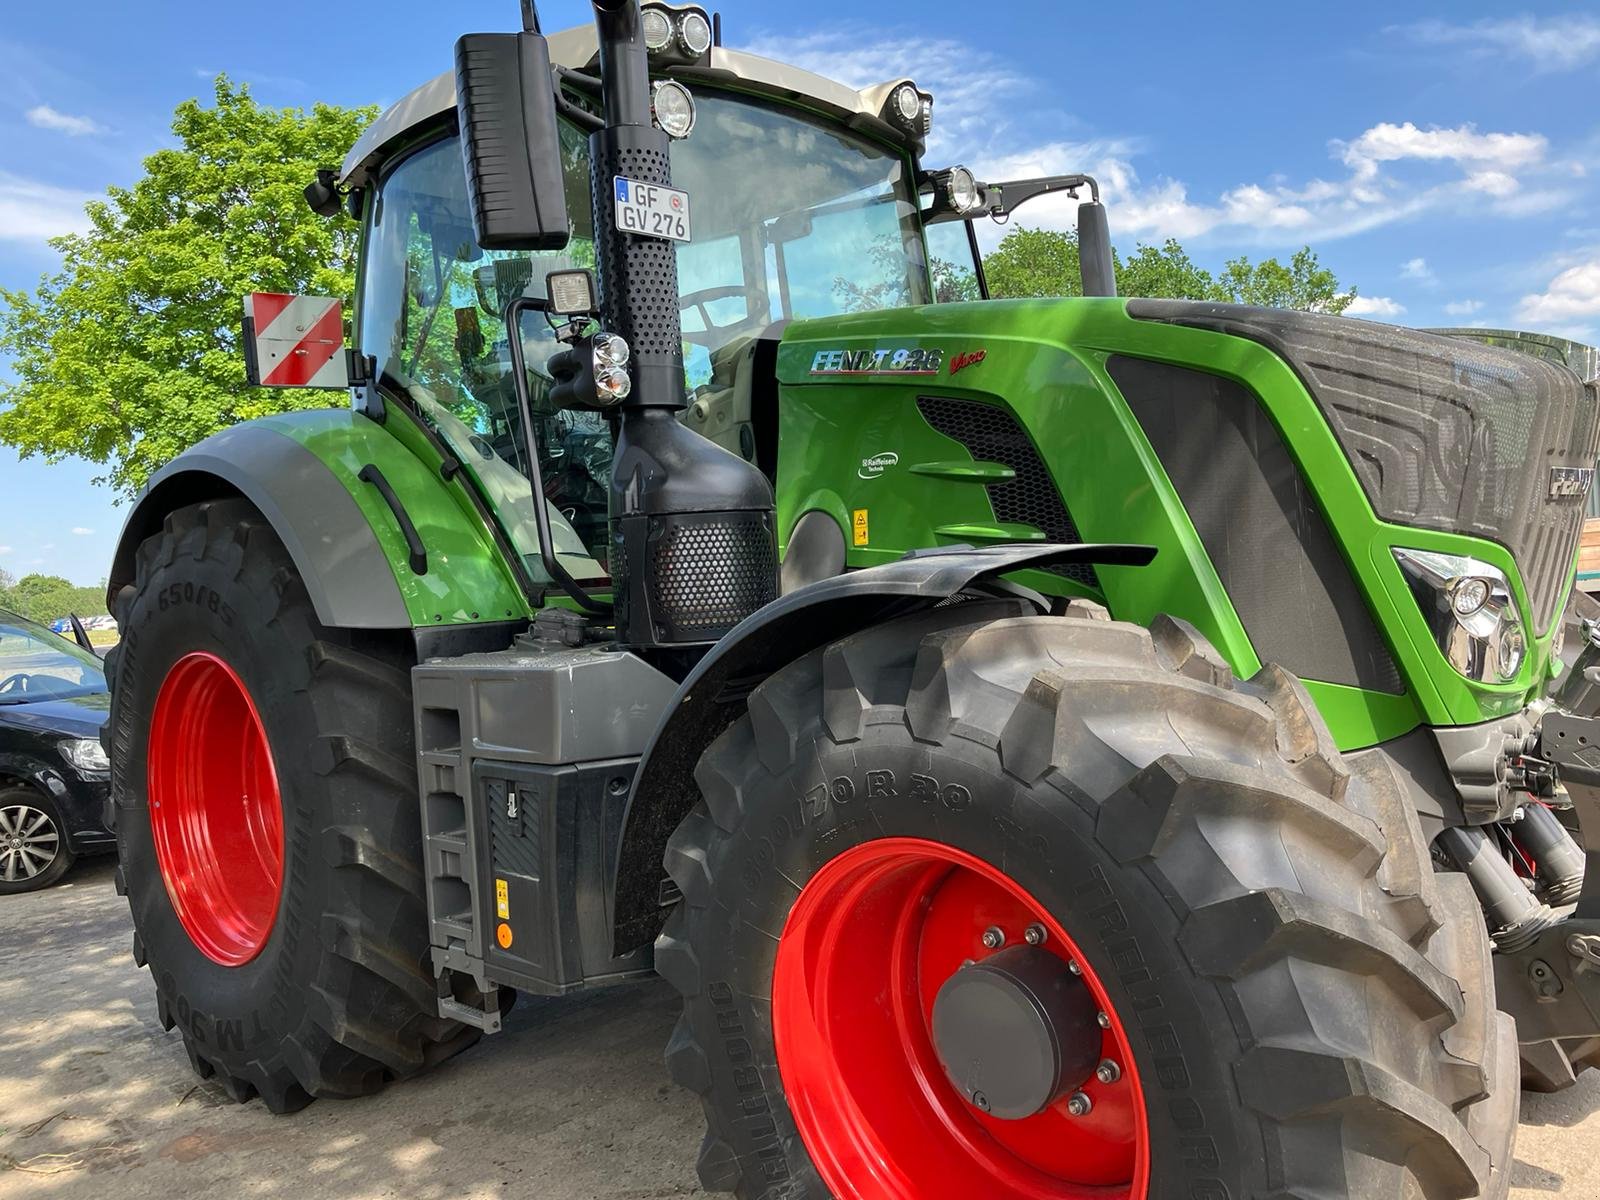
994, 937
980, 1101
1034, 935
1072, 965
1107, 1071
1105, 1021
1079, 1104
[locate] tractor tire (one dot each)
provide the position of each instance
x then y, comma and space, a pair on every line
286, 930
1292, 1003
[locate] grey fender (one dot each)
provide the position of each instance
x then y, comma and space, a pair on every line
350, 581
714, 694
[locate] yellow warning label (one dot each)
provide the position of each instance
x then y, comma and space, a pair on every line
502, 900
859, 520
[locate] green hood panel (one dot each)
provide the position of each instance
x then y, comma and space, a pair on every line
854, 444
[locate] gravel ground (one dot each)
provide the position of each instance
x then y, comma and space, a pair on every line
571, 1102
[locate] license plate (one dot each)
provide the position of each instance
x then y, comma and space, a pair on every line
652, 210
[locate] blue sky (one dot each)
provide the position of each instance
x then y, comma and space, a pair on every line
1441, 158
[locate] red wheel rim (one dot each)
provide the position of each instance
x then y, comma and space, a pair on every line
215, 811
870, 941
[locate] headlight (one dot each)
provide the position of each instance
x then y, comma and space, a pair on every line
1469, 607
86, 754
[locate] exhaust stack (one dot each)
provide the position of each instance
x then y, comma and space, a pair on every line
693, 530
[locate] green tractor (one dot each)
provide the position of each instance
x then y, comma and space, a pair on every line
1073, 747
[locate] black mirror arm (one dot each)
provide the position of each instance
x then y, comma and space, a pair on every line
585, 120
1003, 199
519, 378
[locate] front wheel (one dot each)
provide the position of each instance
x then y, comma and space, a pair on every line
1027, 907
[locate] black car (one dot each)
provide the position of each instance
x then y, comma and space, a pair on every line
54, 776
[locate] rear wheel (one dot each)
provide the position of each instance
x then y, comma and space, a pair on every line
33, 841
1039, 907
264, 800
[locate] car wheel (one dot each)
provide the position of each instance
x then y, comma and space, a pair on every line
33, 843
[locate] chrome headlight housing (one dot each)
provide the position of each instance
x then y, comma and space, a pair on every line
1470, 610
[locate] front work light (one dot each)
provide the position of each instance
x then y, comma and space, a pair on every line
1470, 611
694, 33
571, 293
657, 28
907, 103
673, 107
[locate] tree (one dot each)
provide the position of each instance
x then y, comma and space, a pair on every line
1304, 284
44, 598
1044, 262
128, 354
1034, 262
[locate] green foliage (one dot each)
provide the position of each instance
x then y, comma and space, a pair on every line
129, 353
1304, 283
1034, 262
44, 598
1044, 262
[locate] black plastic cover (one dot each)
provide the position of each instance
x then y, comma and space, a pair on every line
1443, 433
1260, 525
510, 143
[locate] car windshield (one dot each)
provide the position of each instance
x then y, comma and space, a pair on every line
36, 664
792, 217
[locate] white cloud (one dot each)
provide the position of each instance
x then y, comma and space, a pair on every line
970, 87
1560, 43
1387, 143
1388, 173
5, 549
80, 531
1573, 294
1463, 308
1374, 306
31, 212
45, 117
1416, 268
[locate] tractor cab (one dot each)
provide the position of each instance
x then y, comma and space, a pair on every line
807, 200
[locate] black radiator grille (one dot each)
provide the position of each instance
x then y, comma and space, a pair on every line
1260, 526
992, 434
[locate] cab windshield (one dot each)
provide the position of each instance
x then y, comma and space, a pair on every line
791, 218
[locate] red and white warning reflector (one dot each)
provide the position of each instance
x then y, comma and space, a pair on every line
294, 341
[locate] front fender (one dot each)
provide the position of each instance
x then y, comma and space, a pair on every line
713, 696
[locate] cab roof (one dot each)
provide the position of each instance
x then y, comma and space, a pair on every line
579, 49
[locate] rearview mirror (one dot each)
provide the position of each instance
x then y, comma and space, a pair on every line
505, 99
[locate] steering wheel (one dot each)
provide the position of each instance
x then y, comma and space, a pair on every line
699, 300
15, 684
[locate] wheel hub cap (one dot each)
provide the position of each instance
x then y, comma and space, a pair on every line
895, 1008
1016, 1032
29, 842
215, 811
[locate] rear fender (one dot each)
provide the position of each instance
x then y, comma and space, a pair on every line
308, 475
714, 694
